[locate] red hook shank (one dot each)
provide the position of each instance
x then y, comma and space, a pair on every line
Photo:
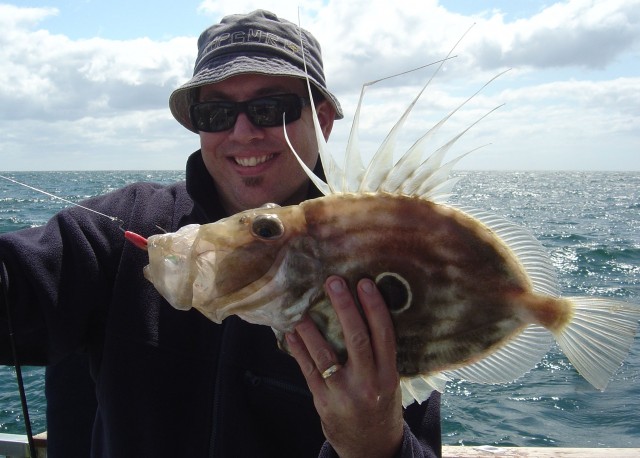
136, 239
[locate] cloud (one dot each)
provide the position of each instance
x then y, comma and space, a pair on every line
47, 75
364, 40
106, 100
11, 15
576, 33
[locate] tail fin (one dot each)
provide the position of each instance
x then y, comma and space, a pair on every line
599, 337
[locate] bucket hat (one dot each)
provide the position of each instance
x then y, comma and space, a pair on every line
258, 42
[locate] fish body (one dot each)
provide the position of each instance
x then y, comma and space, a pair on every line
452, 286
471, 295
459, 296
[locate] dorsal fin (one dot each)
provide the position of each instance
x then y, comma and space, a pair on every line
331, 168
427, 177
381, 165
353, 159
527, 249
410, 175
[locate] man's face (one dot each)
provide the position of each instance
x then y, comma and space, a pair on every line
253, 165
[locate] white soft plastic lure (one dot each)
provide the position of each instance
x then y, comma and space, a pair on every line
472, 296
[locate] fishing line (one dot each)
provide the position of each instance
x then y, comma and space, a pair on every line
138, 240
4, 285
134, 238
112, 218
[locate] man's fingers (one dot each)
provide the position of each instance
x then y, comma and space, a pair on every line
314, 354
383, 339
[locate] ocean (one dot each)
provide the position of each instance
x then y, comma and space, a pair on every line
588, 221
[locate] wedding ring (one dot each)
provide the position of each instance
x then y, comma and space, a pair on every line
330, 371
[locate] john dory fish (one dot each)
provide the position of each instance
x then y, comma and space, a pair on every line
471, 295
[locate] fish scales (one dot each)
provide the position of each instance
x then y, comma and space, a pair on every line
471, 296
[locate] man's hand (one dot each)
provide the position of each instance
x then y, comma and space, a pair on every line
359, 404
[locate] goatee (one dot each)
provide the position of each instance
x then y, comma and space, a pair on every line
252, 182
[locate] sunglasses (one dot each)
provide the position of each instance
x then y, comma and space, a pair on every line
269, 111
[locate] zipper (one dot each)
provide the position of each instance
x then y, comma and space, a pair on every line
217, 392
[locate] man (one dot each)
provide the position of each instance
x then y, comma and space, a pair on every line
171, 383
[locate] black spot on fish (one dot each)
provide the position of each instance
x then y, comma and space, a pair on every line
395, 290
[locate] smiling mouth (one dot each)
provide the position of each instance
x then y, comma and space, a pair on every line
253, 161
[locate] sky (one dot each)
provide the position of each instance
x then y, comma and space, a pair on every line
84, 84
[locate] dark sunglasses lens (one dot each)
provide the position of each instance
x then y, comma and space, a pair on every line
263, 112
268, 112
214, 116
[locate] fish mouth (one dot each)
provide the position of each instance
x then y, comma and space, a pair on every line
253, 161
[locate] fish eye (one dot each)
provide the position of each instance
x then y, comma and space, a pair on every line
267, 227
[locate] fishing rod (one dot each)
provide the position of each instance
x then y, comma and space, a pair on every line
4, 285
138, 240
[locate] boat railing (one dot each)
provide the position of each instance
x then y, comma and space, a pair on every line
17, 445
